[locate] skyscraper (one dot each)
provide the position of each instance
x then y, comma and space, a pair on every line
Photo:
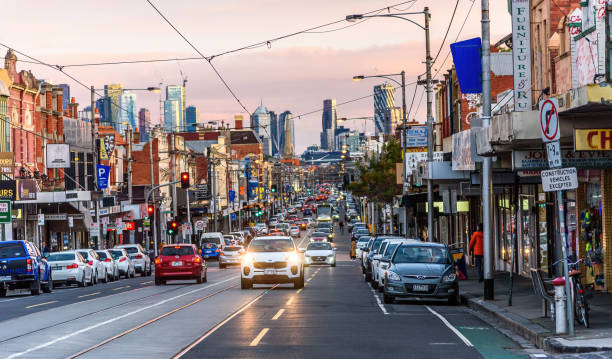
287, 140
260, 122
144, 123
384, 102
174, 119
65, 94
275, 134
193, 118
127, 112
329, 121
111, 104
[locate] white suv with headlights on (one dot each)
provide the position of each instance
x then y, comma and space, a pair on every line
271, 260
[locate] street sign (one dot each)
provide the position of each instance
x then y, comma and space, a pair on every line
199, 225
553, 153
202, 192
41, 219
70, 222
560, 179
549, 120
5, 211
103, 175
232, 195
188, 229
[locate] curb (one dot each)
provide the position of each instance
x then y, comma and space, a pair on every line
536, 334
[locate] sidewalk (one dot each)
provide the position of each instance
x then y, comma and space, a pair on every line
524, 317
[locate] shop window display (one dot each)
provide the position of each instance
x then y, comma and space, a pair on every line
591, 234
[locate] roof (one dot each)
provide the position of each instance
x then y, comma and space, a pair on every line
244, 137
261, 110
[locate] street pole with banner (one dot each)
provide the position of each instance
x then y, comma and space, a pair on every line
558, 179
94, 138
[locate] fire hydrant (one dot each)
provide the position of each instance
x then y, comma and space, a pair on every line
560, 317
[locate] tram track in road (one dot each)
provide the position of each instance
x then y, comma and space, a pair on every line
114, 306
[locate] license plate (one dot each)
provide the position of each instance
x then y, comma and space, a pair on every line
5, 277
269, 272
57, 268
420, 288
177, 264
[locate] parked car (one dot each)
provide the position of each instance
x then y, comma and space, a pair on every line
23, 266
112, 269
179, 261
320, 253
230, 255
124, 263
380, 253
142, 262
271, 260
69, 267
421, 269
359, 232
361, 242
97, 267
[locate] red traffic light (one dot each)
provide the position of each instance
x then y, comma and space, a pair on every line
185, 180
174, 224
150, 209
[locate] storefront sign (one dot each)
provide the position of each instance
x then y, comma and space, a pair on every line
5, 211
107, 146
8, 189
414, 158
129, 226
26, 189
7, 162
416, 136
537, 159
560, 179
593, 139
57, 155
521, 55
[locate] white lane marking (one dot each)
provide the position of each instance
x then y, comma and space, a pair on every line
450, 326
380, 304
278, 314
149, 282
86, 329
290, 301
259, 337
10, 300
442, 343
88, 295
539, 356
119, 288
39, 304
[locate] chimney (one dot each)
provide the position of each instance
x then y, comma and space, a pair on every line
238, 122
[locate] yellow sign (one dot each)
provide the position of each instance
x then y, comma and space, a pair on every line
103, 152
599, 139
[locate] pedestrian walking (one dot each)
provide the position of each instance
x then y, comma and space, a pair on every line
476, 246
353, 250
341, 224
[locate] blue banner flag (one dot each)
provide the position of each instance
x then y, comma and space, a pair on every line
467, 59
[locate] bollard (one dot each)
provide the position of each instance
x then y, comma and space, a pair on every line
560, 317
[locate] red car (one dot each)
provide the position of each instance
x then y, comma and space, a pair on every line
179, 261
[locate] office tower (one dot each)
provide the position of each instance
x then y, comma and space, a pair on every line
288, 138
127, 112
174, 119
383, 102
111, 104
275, 134
260, 122
144, 124
66, 95
329, 123
193, 118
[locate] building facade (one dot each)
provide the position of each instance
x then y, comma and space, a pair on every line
174, 111
127, 112
193, 118
260, 123
329, 122
385, 113
144, 124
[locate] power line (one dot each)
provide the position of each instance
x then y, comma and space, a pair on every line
450, 23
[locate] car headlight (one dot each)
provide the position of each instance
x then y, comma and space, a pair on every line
293, 258
450, 277
247, 259
393, 276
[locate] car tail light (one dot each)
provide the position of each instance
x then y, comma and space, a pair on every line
138, 256
197, 260
107, 260
123, 259
72, 266
90, 263
29, 262
221, 254
217, 250
158, 260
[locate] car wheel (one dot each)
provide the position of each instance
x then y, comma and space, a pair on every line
94, 278
91, 280
245, 283
455, 299
388, 299
2, 292
105, 279
35, 287
133, 274
368, 277
381, 288
82, 282
48, 288
374, 284
333, 264
158, 281
205, 276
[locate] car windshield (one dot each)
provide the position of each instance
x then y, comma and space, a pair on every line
131, 250
376, 244
56, 257
324, 230
364, 239
319, 246
84, 254
319, 234
232, 249
102, 255
271, 245
116, 254
362, 230
177, 251
10, 250
421, 254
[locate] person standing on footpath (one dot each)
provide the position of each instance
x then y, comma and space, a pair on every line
476, 246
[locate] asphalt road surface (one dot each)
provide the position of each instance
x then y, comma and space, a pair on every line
336, 315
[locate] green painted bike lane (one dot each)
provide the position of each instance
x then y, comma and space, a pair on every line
490, 343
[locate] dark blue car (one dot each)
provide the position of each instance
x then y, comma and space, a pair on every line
210, 251
22, 266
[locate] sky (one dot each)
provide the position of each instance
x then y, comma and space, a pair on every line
296, 73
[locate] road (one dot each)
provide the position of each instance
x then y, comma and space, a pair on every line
336, 314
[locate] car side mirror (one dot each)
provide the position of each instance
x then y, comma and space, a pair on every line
385, 259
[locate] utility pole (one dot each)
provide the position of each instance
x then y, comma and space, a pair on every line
173, 176
430, 139
154, 217
94, 136
486, 164
404, 146
129, 164
213, 188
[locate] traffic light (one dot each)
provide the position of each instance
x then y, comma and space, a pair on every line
185, 180
245, 206
150, 210
273, 189
172, 227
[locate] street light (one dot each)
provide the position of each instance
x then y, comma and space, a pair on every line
356, 17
